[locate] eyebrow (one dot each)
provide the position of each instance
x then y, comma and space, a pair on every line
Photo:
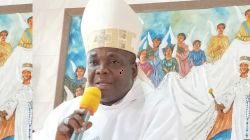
92, 54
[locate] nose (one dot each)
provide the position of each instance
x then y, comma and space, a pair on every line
102, 69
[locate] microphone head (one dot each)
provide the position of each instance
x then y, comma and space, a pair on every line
91, 99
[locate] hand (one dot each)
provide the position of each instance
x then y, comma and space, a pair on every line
3, 114
219, 107
74, 123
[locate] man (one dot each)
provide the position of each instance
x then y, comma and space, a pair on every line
182, 54
79, 91
244, 32
170, 63
143, 63
218, 44
20, 105
197, 56
5, 48
128, 111
239, 98
26, 39
79, 80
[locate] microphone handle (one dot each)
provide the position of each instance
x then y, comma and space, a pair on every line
78, 136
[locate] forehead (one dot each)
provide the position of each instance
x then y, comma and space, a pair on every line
220, 26
80, 69
106, 52
156, 39
243, 64
26, 71
180, 35
3, 33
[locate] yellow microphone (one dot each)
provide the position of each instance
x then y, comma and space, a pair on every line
90, 101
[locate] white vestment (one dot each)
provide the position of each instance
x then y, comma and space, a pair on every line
239, 96
141, 115
22, 103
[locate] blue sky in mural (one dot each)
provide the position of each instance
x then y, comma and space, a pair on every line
76, 52
15, 24
157, 23
196, 24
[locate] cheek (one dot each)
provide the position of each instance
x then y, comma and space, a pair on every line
91, 75
121, 71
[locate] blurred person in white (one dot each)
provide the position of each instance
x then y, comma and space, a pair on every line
128, 110
238, 96
20, 105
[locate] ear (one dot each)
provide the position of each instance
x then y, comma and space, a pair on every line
134, 70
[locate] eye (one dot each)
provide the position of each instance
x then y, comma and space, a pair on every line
115, 62
93, 62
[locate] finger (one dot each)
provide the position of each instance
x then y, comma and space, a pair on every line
86, 125
73, 123
65, 130
80, 111
78, 118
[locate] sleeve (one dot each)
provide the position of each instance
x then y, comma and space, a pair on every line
184, 55
9, 107
239, 34
165, 124
176, 65
190, 58
48, 132
227, 99
204, 57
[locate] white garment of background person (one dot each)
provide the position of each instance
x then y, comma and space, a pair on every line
239, 96
142, 114
21, 104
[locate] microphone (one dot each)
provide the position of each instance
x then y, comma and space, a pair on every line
90, 101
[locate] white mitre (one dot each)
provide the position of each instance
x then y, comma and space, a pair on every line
27, 67
110, 23
245, 59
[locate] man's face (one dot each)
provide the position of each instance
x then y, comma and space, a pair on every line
168, 52
30, 22
3, 36
79, 91
143, 56
220, 29
248, 16
180, 39
110, 70
26, 75
79, 73
196, 46
244, 68
156, 43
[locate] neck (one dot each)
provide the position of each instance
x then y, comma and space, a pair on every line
26, 82
142, 61
220, 35
168, 57
79, 78
244, 75
3, 42
180, 43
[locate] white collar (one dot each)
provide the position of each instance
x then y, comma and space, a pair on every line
134, 93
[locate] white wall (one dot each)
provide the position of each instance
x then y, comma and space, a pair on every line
14, 2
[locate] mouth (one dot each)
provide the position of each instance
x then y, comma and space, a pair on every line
103, 85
